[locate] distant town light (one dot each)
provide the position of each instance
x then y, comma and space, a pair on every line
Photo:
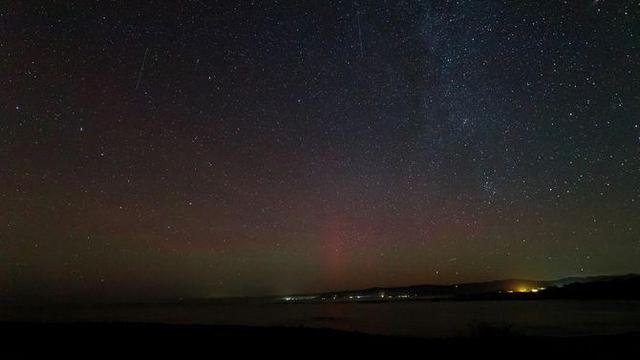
526, 290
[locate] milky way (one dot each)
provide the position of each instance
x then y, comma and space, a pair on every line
195, 148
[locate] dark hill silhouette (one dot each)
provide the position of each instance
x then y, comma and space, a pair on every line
626, 287
602, 287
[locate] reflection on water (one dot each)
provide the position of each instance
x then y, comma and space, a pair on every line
419, 318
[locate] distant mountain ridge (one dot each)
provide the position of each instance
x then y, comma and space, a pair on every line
588, 279
466, 290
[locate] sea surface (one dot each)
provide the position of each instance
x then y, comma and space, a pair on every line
410, 318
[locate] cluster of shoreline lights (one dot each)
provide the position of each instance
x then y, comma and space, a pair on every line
380, 295
525, 290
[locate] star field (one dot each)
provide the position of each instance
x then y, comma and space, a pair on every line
203, 148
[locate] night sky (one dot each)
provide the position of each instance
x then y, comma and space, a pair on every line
199, 148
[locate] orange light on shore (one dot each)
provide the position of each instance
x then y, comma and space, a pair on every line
526, 290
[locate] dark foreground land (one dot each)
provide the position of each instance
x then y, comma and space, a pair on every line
99, 339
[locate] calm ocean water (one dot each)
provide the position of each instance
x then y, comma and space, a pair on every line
419, 318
